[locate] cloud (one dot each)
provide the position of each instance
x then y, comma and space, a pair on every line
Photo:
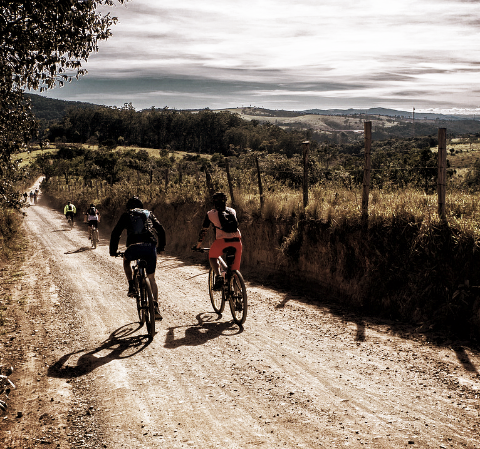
278, 49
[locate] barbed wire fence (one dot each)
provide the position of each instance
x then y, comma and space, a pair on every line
303, 173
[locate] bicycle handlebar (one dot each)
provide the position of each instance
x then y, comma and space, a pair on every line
200, 250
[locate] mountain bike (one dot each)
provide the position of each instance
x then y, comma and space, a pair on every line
93, 235
233, 289
70, 221
144, 296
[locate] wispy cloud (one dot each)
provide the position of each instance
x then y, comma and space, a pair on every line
288, 54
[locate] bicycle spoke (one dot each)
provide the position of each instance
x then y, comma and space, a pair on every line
238, 298
217, 298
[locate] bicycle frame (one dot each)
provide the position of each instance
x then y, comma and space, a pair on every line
233, 290
144, 297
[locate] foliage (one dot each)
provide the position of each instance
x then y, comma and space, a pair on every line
41, 44
205, 132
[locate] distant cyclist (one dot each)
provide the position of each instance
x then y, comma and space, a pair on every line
224, 221
92, 218
69, 210
142, 243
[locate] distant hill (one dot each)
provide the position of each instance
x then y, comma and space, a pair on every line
388, 113
51, 109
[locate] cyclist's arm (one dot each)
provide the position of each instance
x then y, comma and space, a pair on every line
203, 232
116, 234
160, 231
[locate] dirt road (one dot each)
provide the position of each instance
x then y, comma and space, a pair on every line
300, 374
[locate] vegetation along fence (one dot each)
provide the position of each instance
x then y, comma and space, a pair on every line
362, 222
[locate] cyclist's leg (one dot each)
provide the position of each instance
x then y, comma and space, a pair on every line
216, 250
128, 269
154, 286
215, 265
151, 259
238, 255
130, 254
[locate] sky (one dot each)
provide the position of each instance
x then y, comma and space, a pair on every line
285, 54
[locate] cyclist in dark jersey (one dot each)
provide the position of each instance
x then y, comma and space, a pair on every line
141, 243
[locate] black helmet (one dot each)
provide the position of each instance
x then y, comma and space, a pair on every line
219, 201
219, 197
134, 203
92, 205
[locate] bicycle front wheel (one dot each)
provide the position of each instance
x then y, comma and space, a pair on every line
216, 297
238, 298
150, 310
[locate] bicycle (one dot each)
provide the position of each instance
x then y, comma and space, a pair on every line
70, 221
93, 235
233, 289
144, 296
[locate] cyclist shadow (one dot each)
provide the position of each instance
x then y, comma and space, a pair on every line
79, 250
200, 333
121, 344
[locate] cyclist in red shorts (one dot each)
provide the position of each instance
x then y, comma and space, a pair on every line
227, 234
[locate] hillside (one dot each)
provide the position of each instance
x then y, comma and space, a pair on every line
50, 109
385, 122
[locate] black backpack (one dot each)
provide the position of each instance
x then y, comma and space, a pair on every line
228, 221
140, 222
92, 211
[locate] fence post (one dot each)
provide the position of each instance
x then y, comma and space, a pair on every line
306, 147
366, 170
229, 179
208, 180
180, 174
442, 172
260, 187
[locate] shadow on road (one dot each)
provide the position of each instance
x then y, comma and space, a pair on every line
121, 344
200, 333
79, 250
464, 359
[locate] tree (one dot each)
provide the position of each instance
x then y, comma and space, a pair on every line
42, 44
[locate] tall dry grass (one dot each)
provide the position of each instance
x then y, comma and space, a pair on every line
406, 264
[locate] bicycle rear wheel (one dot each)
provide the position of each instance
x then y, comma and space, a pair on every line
141, 300
238, 298
216, 297
150, 310
94, 237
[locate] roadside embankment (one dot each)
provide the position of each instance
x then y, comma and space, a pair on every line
398, 268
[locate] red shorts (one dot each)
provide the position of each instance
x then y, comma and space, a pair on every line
217, 247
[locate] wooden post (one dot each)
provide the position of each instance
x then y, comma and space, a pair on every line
229, 179
180, 174
306, 147
260, 187
366, 170
442, 172
208, 180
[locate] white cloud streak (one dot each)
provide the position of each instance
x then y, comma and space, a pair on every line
378, 51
